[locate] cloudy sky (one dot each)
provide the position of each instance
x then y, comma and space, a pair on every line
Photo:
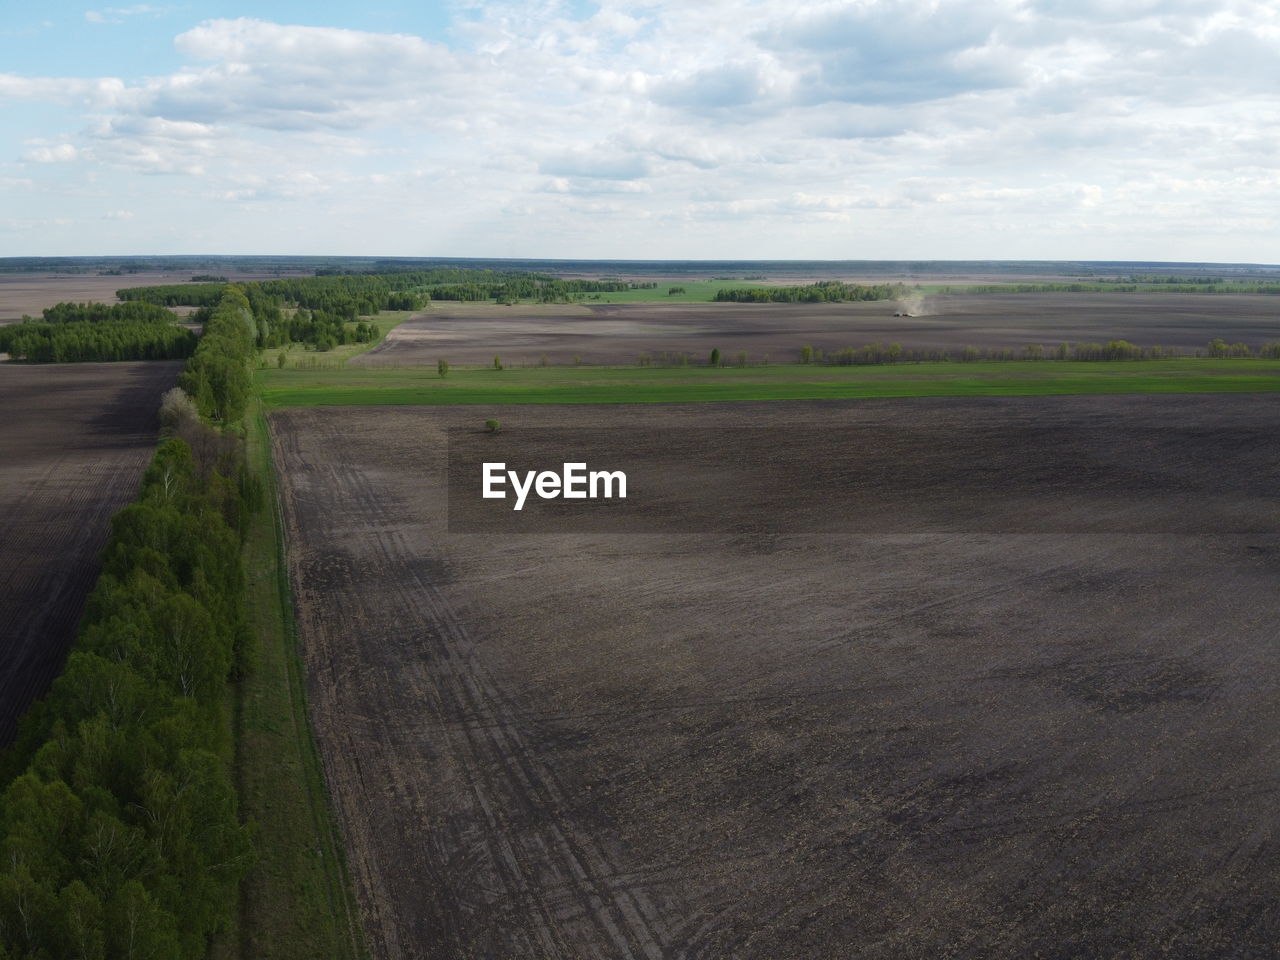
1021, 129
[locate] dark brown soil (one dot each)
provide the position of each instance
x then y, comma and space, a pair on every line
76, 440
618, 333
746, 745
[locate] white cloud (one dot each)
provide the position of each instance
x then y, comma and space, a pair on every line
61, 153
118, 215
121, 14
740, 121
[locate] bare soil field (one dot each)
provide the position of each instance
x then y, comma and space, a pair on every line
618, 333
755, 745
77, 438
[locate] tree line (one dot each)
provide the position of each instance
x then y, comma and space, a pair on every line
218, 375
880, 353
134, 312
73, 332
119, 831
350, 296
1199, 285
824, 291
84, 342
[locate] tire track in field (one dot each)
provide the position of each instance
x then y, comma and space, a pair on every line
551, 891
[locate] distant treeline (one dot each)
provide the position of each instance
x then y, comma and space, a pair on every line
349, 296
1168, 285
1160, 278
92, 342
824, 291
879, 353
175, 295
119, 831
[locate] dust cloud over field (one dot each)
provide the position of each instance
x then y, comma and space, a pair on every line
618, 333
76, 440
786, 746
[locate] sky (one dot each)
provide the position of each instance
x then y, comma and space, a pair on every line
754, 129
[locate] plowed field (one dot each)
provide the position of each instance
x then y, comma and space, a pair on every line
76, 440
749, 745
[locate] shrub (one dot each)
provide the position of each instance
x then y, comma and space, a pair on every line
493, 426
714, 359
442, 368
177, 410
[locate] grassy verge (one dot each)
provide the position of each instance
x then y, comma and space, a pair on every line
297, 900
418, 385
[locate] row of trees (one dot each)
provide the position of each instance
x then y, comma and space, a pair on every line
67, 342
119, 831
175, 295
72, 332
217, 377
825, 291
350, 296
878, 353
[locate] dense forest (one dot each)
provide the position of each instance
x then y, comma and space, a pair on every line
77, 342
72, 332
136, 312
824, 291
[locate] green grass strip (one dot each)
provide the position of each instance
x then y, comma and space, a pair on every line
593, 385
297, 901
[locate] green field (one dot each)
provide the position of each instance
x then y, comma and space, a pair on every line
475, 385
